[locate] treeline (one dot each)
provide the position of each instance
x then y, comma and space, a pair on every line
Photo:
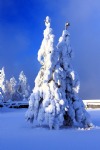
12, 89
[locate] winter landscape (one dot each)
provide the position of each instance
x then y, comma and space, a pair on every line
61, 120
16, 134
44, 108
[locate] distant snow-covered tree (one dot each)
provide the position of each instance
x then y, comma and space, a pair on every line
23, 87
2, 79
2, 84
1, 95
10, 92
7, 93
13, 92
13, 83
55, 96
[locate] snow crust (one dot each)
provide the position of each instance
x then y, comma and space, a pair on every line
15, 134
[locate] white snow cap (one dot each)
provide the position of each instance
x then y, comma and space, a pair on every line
73, 75
47, 21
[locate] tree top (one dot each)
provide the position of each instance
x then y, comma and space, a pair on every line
67, 24
47, 21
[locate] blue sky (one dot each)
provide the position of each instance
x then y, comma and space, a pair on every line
21, 33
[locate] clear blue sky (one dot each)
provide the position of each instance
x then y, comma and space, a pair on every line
21, 33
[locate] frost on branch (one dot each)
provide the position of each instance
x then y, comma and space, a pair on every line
54, 100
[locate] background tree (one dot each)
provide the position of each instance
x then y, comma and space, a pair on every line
7, 92
2, 79
23, 87
13, 92
1, 95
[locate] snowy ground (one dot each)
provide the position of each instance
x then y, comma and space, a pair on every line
16, 134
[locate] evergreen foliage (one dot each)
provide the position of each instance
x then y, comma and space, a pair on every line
55, 100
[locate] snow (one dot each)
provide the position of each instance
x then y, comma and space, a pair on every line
17, 134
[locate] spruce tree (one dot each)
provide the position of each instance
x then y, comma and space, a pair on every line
2, 79
13, 84
75, 113
54, 100
1, 95
23, 87
2, 84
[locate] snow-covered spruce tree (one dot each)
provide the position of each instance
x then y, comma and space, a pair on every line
2, 87
2, 79
7, 93
23, 87
13, 85
1, 95
75, 113
54, 99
